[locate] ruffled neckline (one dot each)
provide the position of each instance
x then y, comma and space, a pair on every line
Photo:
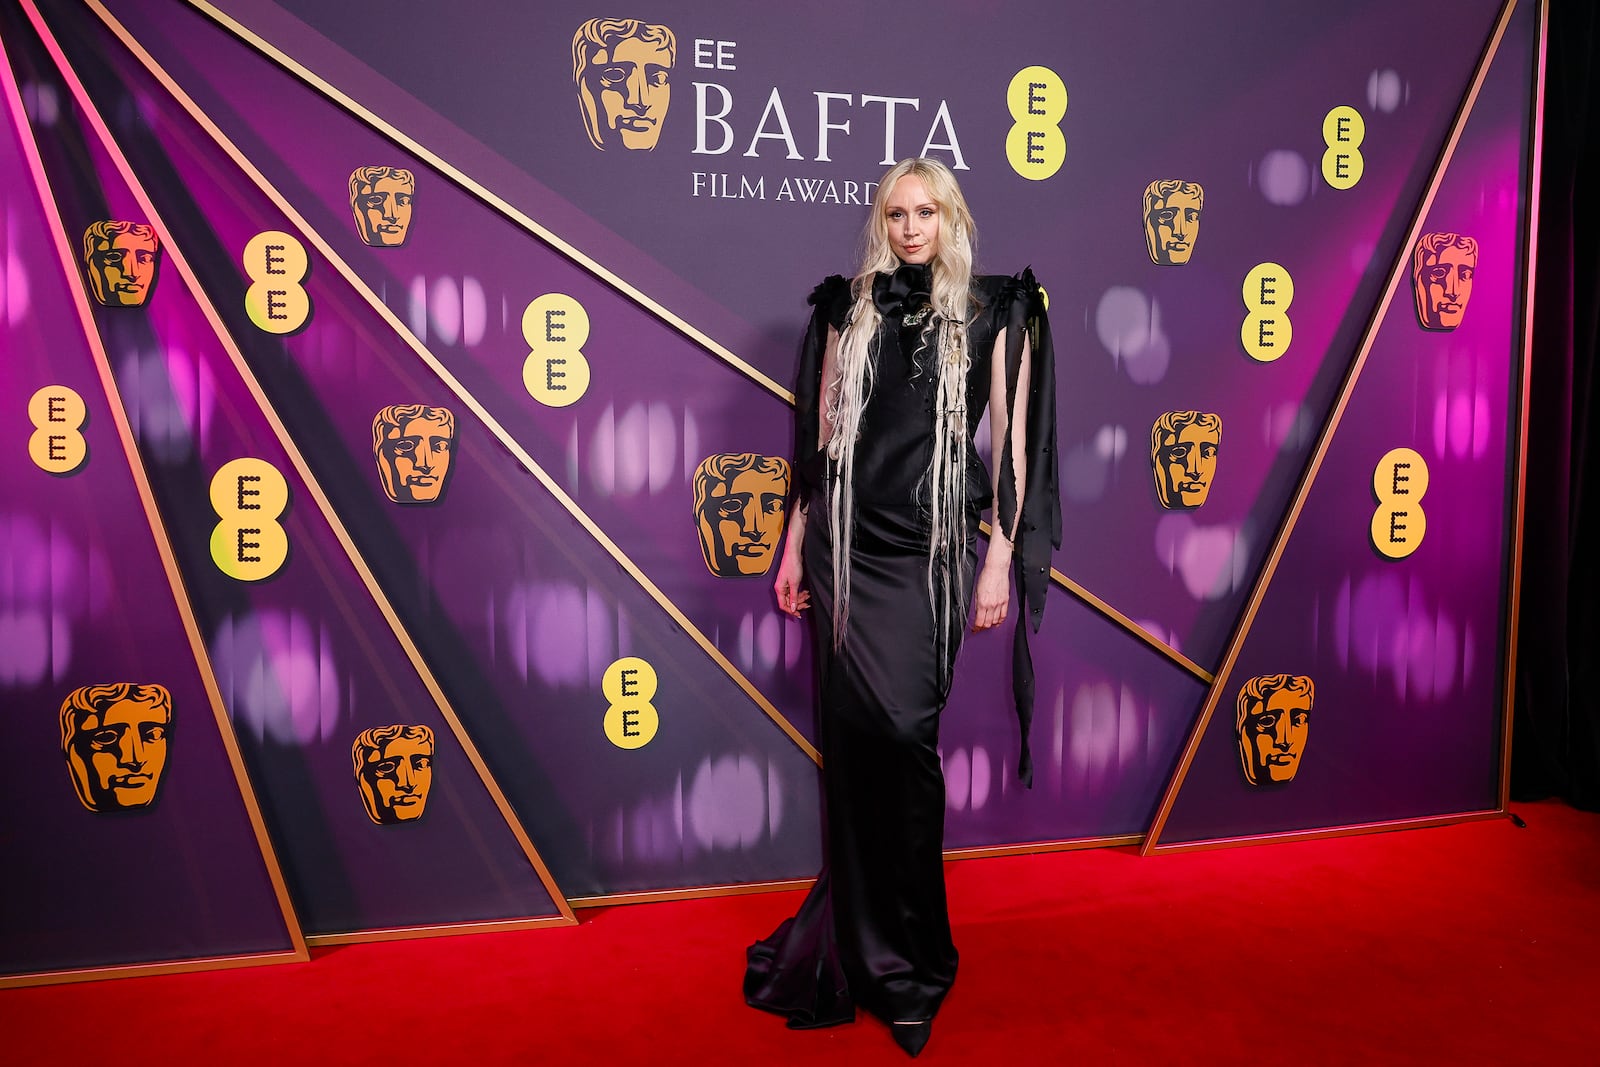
903, 290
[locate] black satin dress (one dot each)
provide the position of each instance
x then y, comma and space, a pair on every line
874, 932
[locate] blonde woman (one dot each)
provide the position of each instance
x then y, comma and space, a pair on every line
897, 368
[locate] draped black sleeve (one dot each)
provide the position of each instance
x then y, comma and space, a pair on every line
830, 304
1021, 312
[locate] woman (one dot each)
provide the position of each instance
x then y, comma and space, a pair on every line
896, 370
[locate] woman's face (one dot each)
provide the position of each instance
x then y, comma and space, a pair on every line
913, 221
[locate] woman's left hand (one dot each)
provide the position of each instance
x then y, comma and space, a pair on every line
994, 597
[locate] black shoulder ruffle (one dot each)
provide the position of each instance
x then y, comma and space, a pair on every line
1020, 310
830, 303
832, 299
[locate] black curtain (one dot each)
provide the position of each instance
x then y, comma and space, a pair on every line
1556, 729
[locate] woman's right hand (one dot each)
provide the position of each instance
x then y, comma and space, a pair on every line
792, 599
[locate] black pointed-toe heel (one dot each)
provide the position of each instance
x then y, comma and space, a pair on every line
912, 1037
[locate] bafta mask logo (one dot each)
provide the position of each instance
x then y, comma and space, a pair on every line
1273, 715
394, 771
1183, 454
121, 260
1441, 272
381, 199
738, 508
1172, 219
622, 69
114, 738
413, 444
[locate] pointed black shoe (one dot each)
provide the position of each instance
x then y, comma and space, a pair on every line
912, 1037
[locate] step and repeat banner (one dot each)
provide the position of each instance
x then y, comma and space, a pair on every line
400, 431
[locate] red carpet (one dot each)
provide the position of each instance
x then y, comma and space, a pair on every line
1470, 944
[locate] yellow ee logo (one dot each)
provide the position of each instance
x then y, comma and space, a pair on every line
556, 328
249, 495
1399, 482
276, 263
1268, 291
1037, 100
1343, 130
629, 685
56, 446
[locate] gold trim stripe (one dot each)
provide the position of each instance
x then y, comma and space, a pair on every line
1076, 844
1355, 830
410, 933
951, 855
1308, 476
1520, 506
302, 469
146, 970
482, 192
163, 546
410, 144
462, 393
658, 896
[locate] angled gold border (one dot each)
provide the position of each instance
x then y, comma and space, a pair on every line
328, 90
1329, 428
1075, 844
1531, 263
175, 254
471, 185
145, 970
1322, 833
657, 896
180, 596
402, 331
411, 933
951, 855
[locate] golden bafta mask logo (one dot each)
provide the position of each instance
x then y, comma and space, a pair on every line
1441, 274
1183, 455
394, 771
622, 70
413, 444
1273, 716
380, 198
121, 261
738, 508
1172, 219
114, 738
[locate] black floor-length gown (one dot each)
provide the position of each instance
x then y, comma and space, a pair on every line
874, 932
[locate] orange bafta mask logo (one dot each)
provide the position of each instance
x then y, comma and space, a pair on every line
1172, 220
1273, 717
739, 502
381, 200
1183, 455
1442, 269
394, 772
121, 260
414, 445
622, 71
114, 738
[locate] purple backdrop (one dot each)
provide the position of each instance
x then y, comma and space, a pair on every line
518, 607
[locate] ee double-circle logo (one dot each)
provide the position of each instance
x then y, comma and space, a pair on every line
1037, 100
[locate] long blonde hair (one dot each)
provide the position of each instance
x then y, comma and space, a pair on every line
945, 482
